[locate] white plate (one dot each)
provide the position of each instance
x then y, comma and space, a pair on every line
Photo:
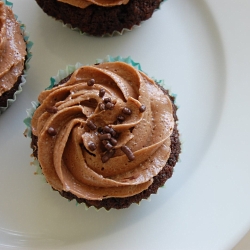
201, 49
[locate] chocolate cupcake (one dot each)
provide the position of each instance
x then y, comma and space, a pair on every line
99, 18
106, 135
14, 55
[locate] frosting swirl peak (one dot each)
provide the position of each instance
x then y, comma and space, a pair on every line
105, 132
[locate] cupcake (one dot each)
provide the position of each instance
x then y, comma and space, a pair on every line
105, 135
14, 56
100, 18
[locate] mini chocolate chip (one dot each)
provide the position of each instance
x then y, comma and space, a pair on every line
102, 106
142, 108
126, 111
107, 99
113, 141
127, 151
91, 125
107, 155
51, 131
104, 136
108, 146
102, 92
52, 110
120, 118
91, 82
92, 146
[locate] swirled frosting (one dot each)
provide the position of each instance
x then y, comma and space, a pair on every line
12, 49
85, 3
109, 103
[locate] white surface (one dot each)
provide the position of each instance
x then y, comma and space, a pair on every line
201, 49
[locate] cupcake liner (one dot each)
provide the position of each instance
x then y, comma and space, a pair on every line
29, 44
114, 33
54, 81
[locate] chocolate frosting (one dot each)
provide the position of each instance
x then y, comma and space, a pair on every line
71, 119
85, 3
12, 49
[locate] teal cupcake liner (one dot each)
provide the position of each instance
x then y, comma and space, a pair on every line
29, 44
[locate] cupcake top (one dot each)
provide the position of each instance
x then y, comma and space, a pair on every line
85, 3
103, 132
12, 49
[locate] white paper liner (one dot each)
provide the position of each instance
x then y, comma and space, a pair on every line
29, 44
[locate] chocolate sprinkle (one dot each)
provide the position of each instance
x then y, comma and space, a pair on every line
91, 125
92, 146
108, 146
107, 99
104, 142
51, 131
104, 136
113, 141
126, 111
102, 92
121, 118
110, 130
91, 82
106, 129
100, 130
107, 155
127, 151
102, 106
109, 105
142, 108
